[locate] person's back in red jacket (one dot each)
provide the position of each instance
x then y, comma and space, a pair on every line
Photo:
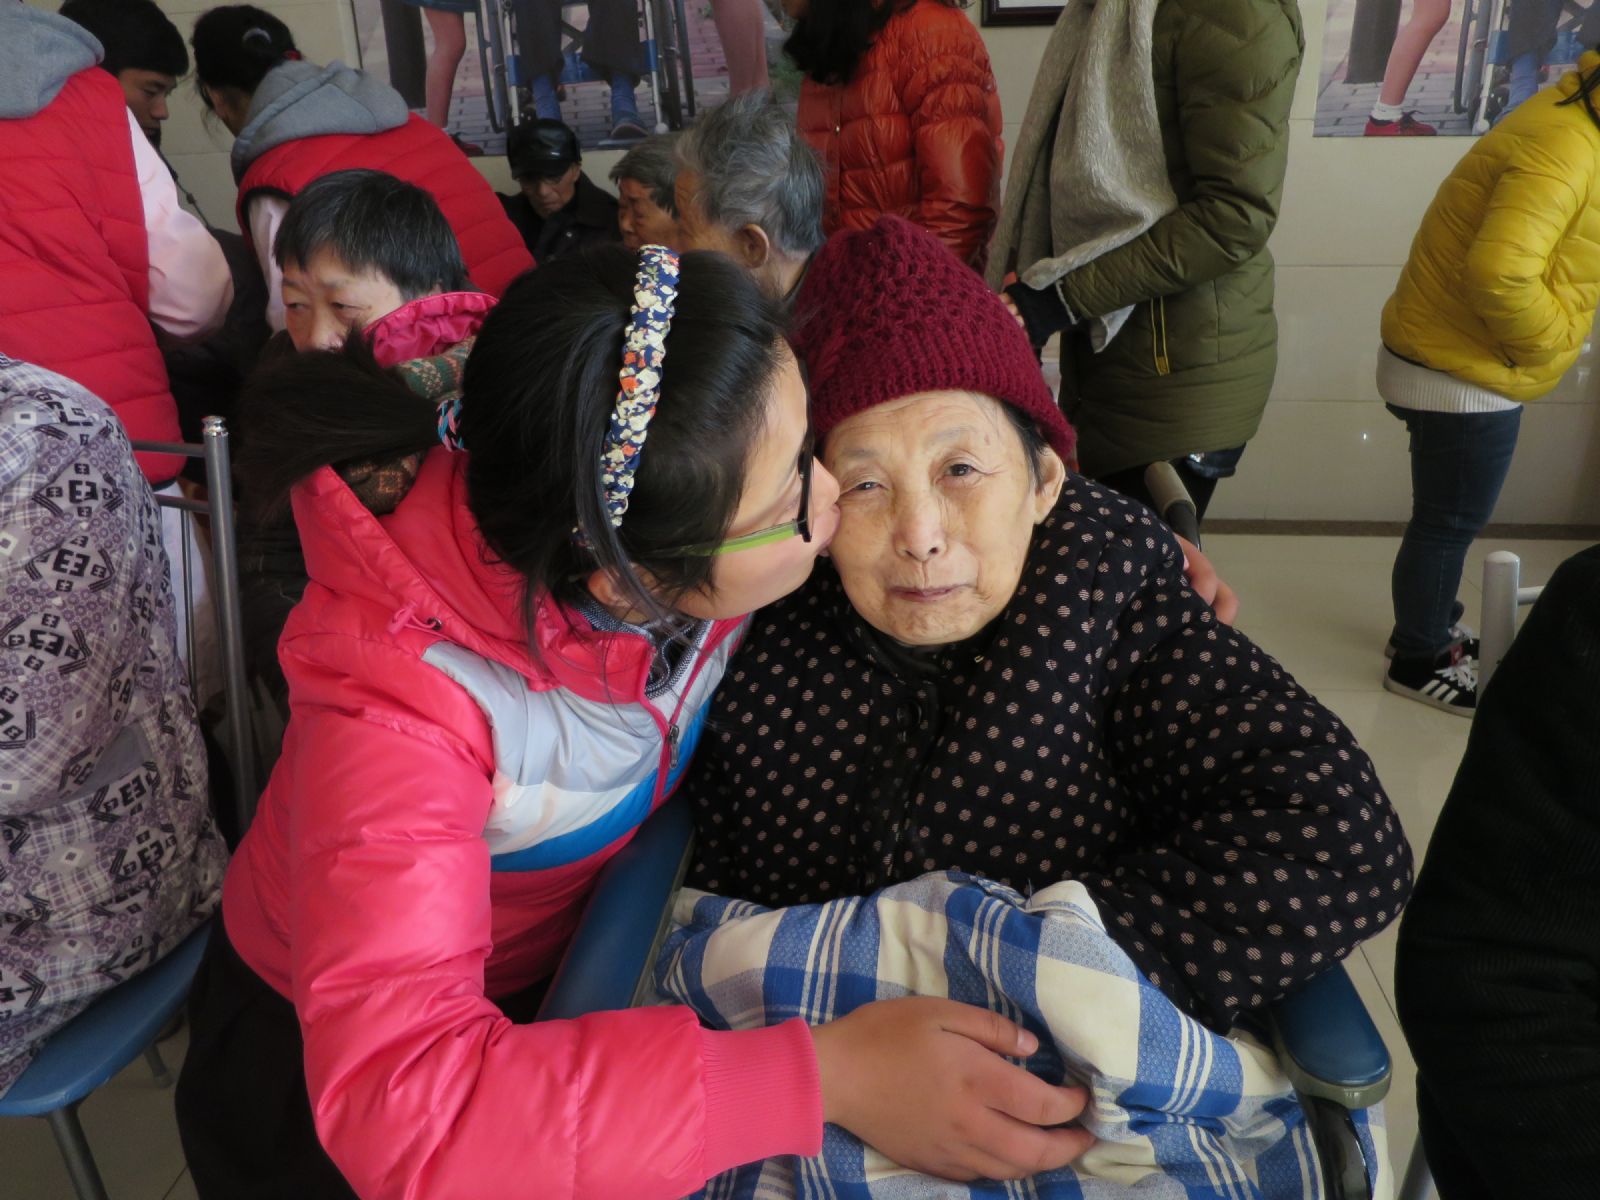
294, 122
93, 245
900, 101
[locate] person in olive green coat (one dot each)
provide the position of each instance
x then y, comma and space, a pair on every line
1144, 185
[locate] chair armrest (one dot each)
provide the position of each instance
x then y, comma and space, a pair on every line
609, 963
1328, 1044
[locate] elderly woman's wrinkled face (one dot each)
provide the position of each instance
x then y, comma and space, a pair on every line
937, 507
643, 222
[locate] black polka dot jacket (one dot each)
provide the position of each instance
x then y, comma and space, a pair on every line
1106, 728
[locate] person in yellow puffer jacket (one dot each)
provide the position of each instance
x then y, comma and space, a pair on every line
1492, 308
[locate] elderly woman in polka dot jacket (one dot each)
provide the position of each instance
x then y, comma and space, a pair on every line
1003, 671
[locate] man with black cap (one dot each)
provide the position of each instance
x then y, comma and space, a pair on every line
557, 209
143, 50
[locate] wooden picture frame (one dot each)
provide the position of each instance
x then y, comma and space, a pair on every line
1020, 12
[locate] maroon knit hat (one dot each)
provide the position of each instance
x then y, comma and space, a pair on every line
888, 312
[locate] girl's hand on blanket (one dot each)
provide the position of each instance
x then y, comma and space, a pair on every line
923, 1081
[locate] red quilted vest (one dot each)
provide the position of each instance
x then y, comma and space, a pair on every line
419, 153
75, 260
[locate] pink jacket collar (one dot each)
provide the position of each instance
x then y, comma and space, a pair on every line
427, 326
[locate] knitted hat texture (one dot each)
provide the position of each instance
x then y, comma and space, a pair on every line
888, 312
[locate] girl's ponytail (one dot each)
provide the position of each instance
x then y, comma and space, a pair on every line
319, 409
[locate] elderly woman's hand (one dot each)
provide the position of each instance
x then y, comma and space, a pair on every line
1207, 584
922, 1081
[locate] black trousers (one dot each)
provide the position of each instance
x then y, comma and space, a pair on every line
1201, 486
610, 41
273, 578
1448, 1162
244, 1115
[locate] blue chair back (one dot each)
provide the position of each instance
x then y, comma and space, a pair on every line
107, 1036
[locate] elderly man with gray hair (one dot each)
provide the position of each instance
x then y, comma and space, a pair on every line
749, 187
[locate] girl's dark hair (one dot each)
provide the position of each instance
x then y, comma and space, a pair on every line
298, 412
539, 391
236, 45
829, 42
1588, 84
374, 222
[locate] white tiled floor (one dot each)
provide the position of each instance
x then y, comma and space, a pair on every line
1319, 604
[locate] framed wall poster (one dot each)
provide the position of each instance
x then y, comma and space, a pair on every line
1020, 12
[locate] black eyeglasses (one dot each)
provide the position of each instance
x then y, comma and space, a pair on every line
775, 533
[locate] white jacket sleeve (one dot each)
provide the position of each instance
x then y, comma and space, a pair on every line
264, 216
190, 286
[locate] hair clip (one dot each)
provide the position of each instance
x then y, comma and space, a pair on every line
450, 422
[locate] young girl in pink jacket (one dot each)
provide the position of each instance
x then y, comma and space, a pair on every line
491, 686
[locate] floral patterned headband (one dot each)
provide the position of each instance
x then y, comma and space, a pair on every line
655, 294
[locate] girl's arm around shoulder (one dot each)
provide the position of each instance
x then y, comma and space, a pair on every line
1265, 848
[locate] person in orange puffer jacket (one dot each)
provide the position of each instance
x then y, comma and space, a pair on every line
899, 100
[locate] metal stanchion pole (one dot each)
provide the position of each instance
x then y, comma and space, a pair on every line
1501, 574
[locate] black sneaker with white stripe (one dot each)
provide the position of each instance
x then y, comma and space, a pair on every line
1448, 682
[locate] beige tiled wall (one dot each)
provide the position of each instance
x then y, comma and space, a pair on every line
1327, 449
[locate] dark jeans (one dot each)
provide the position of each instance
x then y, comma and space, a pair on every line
610, 42
1458, 465
244, 1114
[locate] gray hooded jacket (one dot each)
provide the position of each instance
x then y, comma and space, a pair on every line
39, 52
301, 100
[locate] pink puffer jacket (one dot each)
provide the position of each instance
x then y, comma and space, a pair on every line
427, 840
427, 326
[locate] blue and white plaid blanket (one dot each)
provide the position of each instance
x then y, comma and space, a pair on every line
1178, 1111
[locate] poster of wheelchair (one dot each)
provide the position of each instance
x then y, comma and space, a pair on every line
612, 70
1424, 68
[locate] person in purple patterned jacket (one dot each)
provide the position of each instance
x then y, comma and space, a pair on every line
108, 854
